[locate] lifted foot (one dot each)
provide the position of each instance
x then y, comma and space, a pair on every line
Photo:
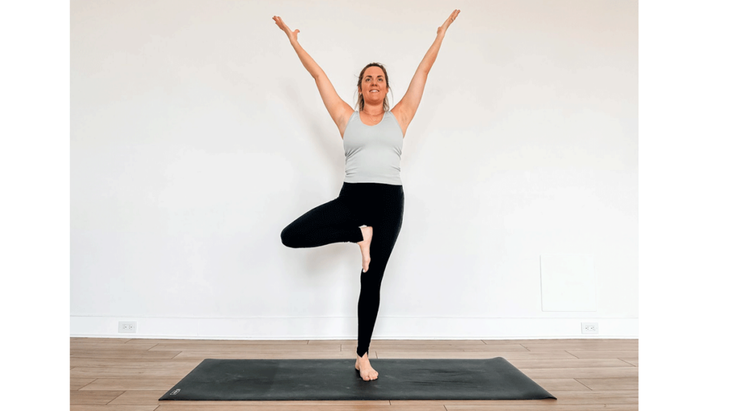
367, 238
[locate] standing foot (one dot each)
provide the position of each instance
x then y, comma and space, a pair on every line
367, 237
367, 372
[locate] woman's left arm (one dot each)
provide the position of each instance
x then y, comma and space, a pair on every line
406, 108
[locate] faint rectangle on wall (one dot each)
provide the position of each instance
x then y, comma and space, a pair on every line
568, 282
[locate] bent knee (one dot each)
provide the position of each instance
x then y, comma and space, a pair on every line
288, 238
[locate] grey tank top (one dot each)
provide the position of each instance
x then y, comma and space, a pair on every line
372, 153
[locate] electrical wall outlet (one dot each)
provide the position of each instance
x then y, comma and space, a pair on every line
127, 326
589, 328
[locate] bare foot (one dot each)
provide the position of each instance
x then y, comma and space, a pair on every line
367, 372
367, 237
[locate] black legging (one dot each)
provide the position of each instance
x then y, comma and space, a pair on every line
377, 205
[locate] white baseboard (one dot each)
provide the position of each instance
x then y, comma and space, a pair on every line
343, 328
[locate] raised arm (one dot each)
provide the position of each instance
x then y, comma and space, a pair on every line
336, 107
405, 110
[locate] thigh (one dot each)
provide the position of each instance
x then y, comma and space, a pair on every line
335, 213
387, 223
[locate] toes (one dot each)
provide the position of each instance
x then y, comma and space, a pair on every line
368, 375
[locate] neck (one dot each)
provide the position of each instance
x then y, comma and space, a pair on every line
373, 109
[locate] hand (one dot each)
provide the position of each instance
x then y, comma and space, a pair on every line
442, 30
291, 35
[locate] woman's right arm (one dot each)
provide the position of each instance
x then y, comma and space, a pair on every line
337, 108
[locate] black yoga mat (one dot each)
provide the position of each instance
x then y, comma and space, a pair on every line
337, 379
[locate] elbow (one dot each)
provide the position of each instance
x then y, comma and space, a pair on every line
318, 75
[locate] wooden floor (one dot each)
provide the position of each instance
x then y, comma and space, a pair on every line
131, 374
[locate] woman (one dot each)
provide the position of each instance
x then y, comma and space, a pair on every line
369, 208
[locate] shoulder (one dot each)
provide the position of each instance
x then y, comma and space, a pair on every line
347, 115
399, 114
401, 118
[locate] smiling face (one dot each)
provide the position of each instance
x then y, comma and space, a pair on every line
374, 85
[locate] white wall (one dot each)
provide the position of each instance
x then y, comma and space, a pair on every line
197, 136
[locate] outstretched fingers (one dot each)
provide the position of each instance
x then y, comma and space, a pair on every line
449, 20
279, 22
453, 15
